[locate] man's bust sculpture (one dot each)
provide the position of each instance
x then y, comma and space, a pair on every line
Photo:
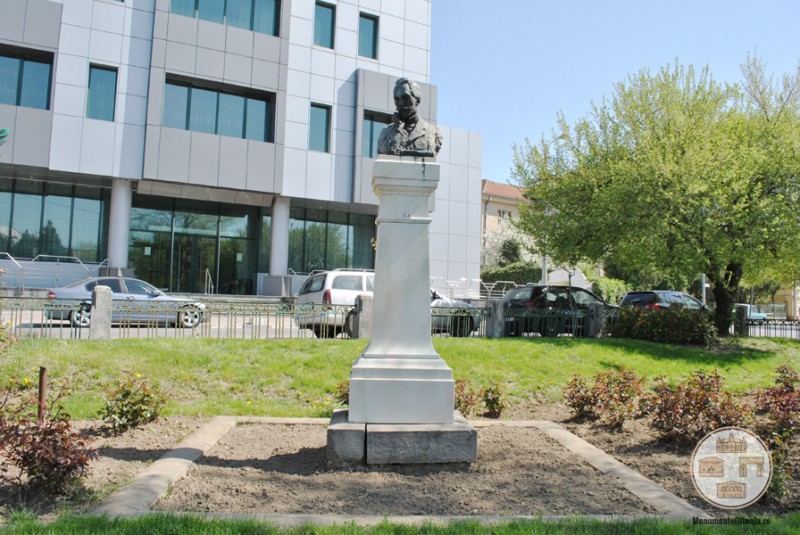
409, 134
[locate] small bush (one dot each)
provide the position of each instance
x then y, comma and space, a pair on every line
342, 394
670, 326
131, 403
519, 272
781, 406
578, 397
48, 455
693, 408
613, 397
467, 398
494, 400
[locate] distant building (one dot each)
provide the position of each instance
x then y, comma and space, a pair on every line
498, 202
216, 142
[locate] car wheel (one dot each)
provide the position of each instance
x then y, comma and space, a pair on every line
80, 318
461, 326
349, 323
189, 318
549, 327
317, 330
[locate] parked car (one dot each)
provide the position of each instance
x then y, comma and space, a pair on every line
453, 316
751, 312
329, 296
134, 301
661, 300
549, 310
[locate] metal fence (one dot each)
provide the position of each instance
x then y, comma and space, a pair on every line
40, 318
771, 328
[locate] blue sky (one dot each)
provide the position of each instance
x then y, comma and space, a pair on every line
505, 68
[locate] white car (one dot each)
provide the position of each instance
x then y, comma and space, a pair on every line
325, 299
752, 313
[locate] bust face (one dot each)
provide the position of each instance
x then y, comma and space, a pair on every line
405, 102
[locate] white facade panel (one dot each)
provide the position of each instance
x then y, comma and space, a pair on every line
108, 17
128, 148
136, 52
74, 40
65, 143
139, 21
321, 89
210, 64
97, 147
323, 62
105, 47
70, 100
71, 70
294, 172
296, 136
76, 12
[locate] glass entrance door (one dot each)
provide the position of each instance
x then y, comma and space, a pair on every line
194, 259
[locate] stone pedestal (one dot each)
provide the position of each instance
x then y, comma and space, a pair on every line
401, 391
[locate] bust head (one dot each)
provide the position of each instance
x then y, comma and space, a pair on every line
407, 97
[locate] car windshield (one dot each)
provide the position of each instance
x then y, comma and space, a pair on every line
643, 298
522, 293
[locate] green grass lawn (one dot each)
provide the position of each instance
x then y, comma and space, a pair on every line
193, 525
289, 377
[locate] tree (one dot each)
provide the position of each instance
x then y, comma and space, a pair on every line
675, 175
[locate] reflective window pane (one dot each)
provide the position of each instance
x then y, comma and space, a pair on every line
183, 7
324, 21
371, 131
9, 80
368, 36
265, 16
211, 10
203, 110
238, 13
231, 115
27, 219
176, 101
102, 97
257, 120
35, 90
319, 129
55, 223
86, 222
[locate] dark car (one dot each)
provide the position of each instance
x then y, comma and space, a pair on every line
661, 300
133, 301
549, 310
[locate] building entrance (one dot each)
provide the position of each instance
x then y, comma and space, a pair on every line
194, 264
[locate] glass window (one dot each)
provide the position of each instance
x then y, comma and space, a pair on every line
238, 13
9, 80
211, 10
183, 7
216, 112
56, 220
102, 93
324, 24
25, 81
373, 124
137, 287
319, 129
27, 221
265, 16
257, 118
86, 223
368, 36
203, 110
231, 115
35, 87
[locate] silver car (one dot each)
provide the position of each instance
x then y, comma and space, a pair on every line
134, 301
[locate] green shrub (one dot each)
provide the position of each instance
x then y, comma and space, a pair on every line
670, 326
131, 403
48, 455
694, 407
611, 290
342, 394
494, 400
519, 272
613, 397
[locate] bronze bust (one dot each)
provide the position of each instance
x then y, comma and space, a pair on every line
409, 134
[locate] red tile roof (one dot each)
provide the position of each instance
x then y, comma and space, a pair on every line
501, 190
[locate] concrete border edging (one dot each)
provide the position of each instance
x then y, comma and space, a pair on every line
150, 485
155, 481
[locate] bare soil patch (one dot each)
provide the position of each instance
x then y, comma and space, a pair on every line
269, 468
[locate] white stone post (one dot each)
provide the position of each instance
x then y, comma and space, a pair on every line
399, 378
119, 223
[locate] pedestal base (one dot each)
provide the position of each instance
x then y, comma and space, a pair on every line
401, 390
352, 444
